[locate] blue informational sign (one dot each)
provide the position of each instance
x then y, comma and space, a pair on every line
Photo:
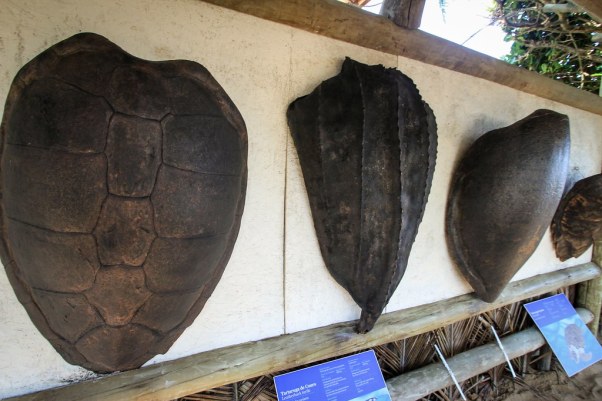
571, 341
353, 378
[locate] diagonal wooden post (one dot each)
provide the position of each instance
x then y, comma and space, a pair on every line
589, 293
592, 7
428, 379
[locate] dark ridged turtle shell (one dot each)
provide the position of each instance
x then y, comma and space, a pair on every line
123, 185
367, 145
503, 196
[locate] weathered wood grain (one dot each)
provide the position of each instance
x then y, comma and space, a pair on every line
215, 368
405, 13
340, 21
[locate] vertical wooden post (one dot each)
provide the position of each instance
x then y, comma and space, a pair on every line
404, 13
589, 293
545, 363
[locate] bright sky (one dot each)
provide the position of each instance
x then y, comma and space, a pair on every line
463, 18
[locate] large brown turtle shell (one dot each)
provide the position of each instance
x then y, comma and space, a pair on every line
123, 184
503, 196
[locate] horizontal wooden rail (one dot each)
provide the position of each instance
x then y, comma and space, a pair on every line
173, 379
421, 382
350, 24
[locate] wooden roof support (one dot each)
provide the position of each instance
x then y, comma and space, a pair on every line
362, 28
207, 370
592, 7
404, 13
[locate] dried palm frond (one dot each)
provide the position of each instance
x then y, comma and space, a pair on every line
224, 393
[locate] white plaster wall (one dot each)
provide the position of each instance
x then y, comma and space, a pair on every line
276, 281
251, 61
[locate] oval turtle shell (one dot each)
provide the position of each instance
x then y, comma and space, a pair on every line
123, 184
503, 196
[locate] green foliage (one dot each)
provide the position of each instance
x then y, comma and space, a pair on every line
556, 45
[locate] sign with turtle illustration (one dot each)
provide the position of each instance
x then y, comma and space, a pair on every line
123, 184
573, 344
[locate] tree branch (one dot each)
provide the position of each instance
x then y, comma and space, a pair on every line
584, 53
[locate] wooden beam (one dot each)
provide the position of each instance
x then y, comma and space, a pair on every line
421, 382
562, 8
589, 293
350, 24
359, 3
173, 379
592, 7
404, 13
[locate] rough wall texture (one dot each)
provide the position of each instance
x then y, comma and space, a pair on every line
275, 281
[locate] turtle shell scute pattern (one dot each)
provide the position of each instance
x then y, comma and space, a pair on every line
123, 184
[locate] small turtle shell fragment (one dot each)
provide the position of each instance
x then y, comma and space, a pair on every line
367, 146
123, 184
503, 196
578, 220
